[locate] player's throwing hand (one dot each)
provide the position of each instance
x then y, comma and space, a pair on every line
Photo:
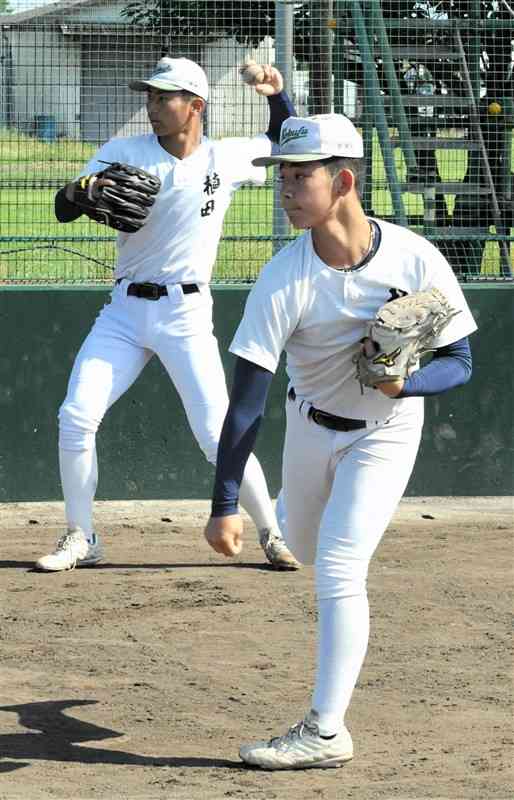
265, 79
224, 534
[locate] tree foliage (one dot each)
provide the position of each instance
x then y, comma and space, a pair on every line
200, 21
203, 20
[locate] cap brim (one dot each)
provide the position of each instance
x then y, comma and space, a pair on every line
142, 86
266, 161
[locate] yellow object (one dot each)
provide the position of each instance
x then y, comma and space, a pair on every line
494, 108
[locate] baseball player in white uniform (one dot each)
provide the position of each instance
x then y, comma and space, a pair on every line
161, 303
348, 452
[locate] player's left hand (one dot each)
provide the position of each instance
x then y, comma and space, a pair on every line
224, 534
391, 388
272, 83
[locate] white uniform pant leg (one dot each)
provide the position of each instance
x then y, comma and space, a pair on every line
193, 362
107, 364
307, 475
370, 478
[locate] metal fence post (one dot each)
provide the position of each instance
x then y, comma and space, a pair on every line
284, 62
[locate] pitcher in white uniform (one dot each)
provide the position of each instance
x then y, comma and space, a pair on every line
348, 455
161, 303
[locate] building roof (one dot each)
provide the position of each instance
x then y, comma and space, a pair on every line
59, 8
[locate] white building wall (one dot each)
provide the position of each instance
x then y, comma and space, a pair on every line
108, 13
46, 80
234, 108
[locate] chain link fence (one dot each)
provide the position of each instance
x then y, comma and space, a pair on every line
429, 84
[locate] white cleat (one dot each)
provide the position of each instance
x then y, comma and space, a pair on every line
302, 747
276, 551
72, 550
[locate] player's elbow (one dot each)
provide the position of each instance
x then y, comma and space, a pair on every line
465, 372
64, 210
463, 365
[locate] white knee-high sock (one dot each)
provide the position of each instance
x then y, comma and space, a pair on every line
79, 477
255, 497
343, 630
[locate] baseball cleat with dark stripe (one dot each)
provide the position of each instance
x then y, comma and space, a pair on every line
276, 551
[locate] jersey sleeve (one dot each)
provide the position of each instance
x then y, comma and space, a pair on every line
110, 151
439, 275
271, 314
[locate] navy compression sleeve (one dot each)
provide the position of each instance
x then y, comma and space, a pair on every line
450, 366
280, 108
246, 409
64, 210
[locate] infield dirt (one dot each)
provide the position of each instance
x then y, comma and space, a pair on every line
138, 679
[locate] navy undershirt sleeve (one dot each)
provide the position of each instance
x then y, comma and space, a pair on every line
450, 366
64, 210
246, 409
280, 108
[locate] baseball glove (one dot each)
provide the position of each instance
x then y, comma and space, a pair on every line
125, 204
402, 331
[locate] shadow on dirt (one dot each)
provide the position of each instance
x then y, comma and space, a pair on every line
60, 738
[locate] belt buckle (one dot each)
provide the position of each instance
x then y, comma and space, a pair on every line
149, 291
329, 421
318, 417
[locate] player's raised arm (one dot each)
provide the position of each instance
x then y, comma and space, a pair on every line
247, 402
267, 81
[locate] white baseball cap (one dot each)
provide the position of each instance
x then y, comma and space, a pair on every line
315, 138
175, 74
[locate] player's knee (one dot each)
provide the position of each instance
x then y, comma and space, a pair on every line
77, 428
340, 577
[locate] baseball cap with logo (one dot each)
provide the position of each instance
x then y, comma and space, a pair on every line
315, 138
175, 74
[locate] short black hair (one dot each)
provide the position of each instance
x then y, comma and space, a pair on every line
357, 166
188, 95
191, 96
185, 93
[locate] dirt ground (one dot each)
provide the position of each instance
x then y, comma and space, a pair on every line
140, 678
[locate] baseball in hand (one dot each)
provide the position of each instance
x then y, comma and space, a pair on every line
252, 73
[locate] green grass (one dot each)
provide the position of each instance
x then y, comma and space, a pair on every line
18, 150
34, 247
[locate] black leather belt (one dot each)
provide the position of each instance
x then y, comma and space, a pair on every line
330, 420
153, 291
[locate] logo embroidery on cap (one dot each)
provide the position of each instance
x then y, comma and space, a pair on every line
164, 68
293, 133
167, 69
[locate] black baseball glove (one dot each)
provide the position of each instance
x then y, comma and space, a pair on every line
122, 204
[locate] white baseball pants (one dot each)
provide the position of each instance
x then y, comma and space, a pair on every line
340, 491
125, 336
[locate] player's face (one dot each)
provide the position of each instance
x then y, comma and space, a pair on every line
169, 112
306, 192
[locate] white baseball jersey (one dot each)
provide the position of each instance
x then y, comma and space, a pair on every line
319, 314
179, 241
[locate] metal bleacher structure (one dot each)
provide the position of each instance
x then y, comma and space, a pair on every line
392, 115
465, 208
